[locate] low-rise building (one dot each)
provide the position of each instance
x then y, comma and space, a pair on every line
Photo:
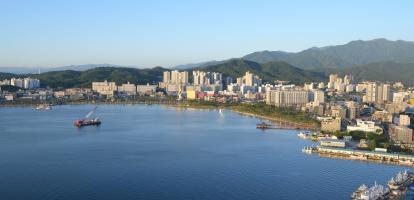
146, 89
331, 124
333, 143
365, 126
104, 88
401, 134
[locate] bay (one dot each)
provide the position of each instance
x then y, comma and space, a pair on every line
159, 152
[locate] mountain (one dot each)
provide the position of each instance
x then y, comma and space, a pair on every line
33, 70
269, 72
71, 78
341, 56
195, 65
383, 71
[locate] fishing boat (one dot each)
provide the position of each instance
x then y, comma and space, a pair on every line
87, 121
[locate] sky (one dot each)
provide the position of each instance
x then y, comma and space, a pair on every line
52, 33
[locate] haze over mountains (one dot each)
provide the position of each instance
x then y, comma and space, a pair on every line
377, 59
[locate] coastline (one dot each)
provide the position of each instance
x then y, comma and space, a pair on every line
165, 102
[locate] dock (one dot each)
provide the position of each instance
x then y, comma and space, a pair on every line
354, 154
282, 125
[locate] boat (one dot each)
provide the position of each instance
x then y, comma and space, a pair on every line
405, 162
308, 149
375, 192
43, 107
86, 121
401, 181
263, 125
304, 134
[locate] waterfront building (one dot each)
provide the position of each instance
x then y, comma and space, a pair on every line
104, 88
331, 124
365, 126
401, 134
146, 89
287, 98
333, 143
128, 88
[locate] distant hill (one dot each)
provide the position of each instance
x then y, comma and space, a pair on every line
341, 56
269, 72
383, 71
34, 70
195, 65
70, 78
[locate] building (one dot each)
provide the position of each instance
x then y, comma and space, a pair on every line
333, 143
249, 80
287, 98
104, 88
405, 120
400, 134
175, 77
146, 89
128, 88
318, 97
352, 111
365, 126
338, 111
17, 82
30, 83
331, 124
377, 93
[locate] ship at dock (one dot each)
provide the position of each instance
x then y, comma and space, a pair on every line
375, 192
401, 181
87, 121
395, 188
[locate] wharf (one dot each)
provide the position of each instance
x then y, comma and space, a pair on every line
353, 154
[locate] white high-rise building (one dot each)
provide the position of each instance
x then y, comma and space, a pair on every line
287, 98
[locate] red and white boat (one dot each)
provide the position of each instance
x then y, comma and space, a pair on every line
88, 122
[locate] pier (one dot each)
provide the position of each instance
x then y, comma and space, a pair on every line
284, 124
354, 154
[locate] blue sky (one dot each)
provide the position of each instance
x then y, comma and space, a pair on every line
167, 33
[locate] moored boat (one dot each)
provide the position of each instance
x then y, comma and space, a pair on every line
373, 193
304, 134
401, 181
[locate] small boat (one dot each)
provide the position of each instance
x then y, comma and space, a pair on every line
44, 107
304, 134
308, 149
87, 121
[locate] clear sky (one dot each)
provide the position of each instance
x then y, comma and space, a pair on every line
167, 33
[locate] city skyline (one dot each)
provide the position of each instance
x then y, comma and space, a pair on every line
142, 34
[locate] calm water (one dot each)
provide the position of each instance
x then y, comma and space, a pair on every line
156, 152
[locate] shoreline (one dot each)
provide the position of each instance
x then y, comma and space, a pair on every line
176, 104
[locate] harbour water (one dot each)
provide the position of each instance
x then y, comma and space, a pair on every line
158, 152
